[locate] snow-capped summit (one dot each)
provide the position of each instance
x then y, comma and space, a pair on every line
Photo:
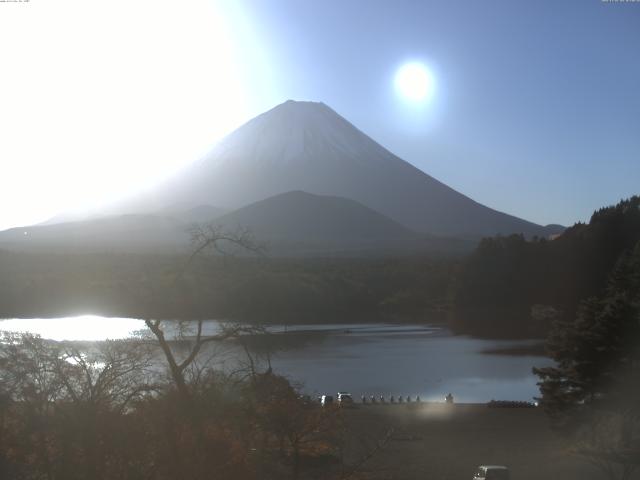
298, 131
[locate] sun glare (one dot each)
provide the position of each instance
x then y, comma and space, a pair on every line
119, 96
414, 82
80, 328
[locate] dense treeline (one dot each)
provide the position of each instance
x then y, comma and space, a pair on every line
241, 288
511, 286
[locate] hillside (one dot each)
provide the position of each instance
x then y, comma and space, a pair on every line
301, 223
118, 233
510, 286
290, 224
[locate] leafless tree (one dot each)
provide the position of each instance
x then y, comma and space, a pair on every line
209, 237
64, 397
179, 364
29, 382
212, 237
110, 374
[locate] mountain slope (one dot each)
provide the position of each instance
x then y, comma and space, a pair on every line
291, 224
307, 146
298, 222
120, 233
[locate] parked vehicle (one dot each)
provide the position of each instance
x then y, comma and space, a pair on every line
491, 472
326, 400
345, 398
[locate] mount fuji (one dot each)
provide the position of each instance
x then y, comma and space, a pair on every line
307, 146
303, 178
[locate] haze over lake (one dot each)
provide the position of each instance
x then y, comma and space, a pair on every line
364, 359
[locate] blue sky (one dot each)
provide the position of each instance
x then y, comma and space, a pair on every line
537, 103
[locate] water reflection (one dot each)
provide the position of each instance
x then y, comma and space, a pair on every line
82, 327
365, 359
431, 364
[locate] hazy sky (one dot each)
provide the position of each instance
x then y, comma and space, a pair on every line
535, 109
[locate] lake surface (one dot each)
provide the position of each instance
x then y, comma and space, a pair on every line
364, 359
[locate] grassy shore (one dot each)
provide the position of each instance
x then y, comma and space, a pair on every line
447, 442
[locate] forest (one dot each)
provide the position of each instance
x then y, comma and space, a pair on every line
259, 289
509, 286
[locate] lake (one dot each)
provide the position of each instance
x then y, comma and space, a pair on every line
364, 359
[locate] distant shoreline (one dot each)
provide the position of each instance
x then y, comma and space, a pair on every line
536, 350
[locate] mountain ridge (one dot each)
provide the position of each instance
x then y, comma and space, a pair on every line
293, 224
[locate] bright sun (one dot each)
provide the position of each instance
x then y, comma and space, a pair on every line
113, 113
414, 82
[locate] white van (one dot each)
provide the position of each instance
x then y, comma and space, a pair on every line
492, 472
345, 398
